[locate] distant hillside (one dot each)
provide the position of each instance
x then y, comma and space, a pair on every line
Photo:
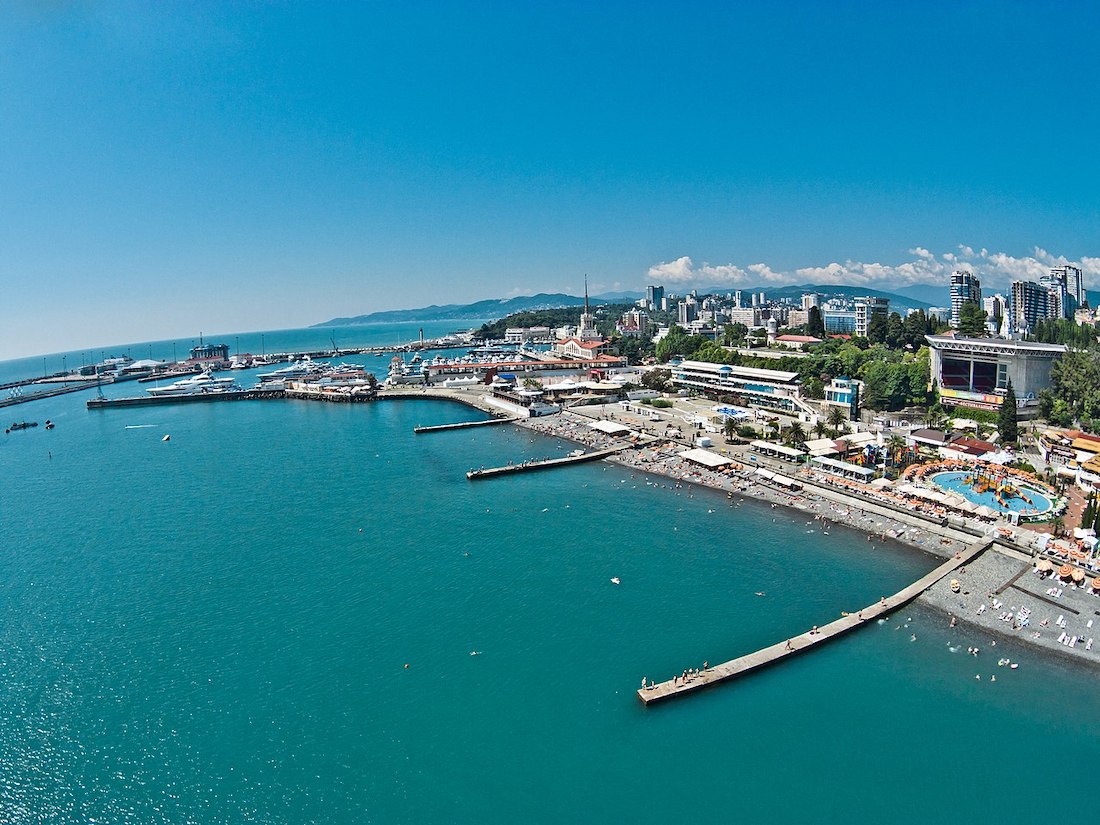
936, 295
492, 308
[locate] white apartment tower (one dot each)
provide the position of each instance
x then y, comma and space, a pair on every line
965, 288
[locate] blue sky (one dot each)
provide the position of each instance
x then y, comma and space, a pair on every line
166, 168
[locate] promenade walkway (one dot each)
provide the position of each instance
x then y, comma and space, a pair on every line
798, 644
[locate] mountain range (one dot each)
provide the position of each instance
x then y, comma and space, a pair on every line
920, 296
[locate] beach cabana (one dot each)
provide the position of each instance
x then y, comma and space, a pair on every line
777, 450
712, 461
610, 427
843, 469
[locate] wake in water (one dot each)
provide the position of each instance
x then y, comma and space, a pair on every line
140, 426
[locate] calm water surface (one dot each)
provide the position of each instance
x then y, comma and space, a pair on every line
215, 629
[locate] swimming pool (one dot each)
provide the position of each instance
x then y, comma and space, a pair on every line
954, 482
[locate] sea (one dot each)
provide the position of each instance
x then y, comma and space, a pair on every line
296, 612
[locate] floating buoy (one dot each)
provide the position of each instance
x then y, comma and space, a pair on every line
406, 665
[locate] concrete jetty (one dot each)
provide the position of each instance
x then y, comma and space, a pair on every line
803, 642
531, 466
197, 398
463, 425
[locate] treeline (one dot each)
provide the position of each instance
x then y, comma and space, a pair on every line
1064, 331
1074, 393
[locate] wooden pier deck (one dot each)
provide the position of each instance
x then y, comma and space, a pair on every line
463, 425
531, 466
805, 641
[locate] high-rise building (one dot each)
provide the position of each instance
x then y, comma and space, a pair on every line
654, 295
1030, 304
866, 309
996, 307
737, 299
687, 311
810, 299
965, 288
1066, 291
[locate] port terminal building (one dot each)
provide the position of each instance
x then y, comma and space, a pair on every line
974, 372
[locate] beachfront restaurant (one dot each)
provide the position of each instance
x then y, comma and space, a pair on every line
842, 469
780, 451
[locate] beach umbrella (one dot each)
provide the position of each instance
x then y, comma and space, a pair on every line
1096, 583
1078, 575
1044, 566
1065, 571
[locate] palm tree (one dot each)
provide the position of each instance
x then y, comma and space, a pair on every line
894, 444
820, 428
730, 429
796, 434
837, 421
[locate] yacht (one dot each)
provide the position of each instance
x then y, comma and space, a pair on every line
296, 370
204, 382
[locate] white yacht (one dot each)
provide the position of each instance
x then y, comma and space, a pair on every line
296, 370
204, 382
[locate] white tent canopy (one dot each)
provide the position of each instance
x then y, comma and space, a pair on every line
706, 458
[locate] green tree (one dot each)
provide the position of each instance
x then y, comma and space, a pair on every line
972, 320
895, 331
876, 328
657, 379
837, 421
730, 428
735, 334
815, 324
796, 434
1006, 420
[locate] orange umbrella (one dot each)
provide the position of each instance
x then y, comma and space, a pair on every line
1096, 583
1078, 575
1065, 571
1044, 566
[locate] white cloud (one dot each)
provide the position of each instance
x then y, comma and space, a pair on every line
995, 269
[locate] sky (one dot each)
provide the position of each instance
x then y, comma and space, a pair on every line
174, 167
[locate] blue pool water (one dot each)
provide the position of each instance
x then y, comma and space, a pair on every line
953, 482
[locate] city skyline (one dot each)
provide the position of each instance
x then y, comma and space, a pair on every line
229, 168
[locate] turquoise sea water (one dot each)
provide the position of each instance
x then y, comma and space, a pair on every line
197, 631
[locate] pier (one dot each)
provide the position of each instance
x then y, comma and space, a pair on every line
798, 644
531, 466
202, 397
463, 425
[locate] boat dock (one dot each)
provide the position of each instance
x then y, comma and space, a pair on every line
531, 466
463, 425
201, 397
798, 644
50, 393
